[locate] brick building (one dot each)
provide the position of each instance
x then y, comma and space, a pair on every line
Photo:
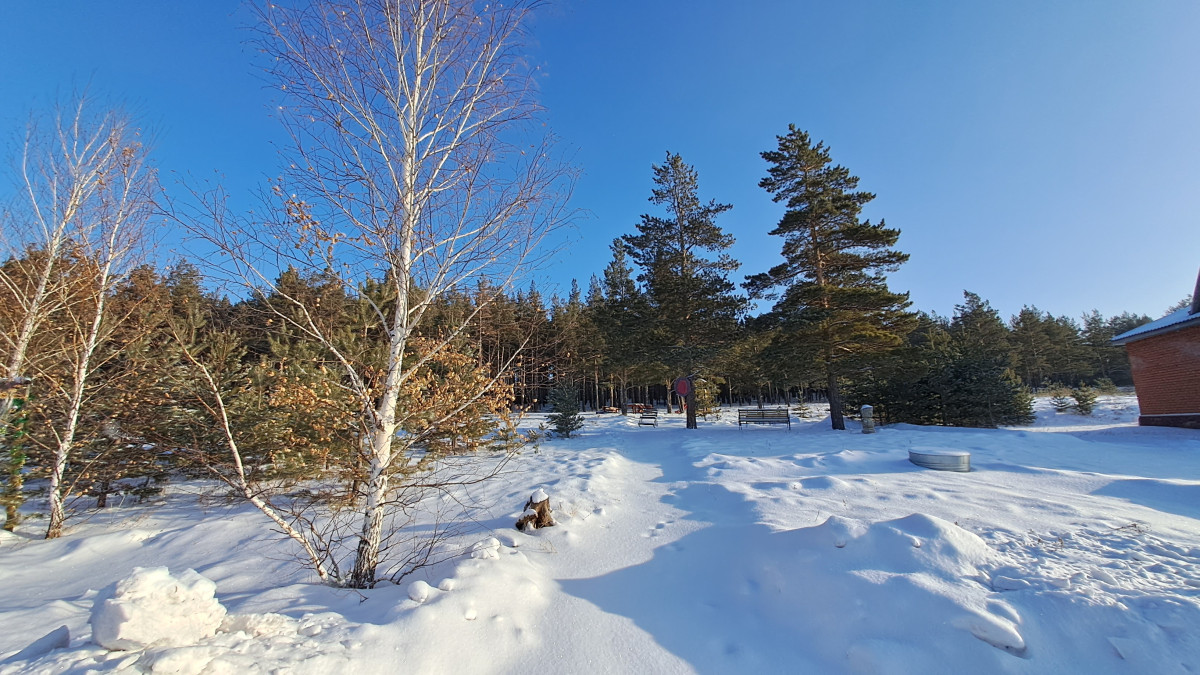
1165, 357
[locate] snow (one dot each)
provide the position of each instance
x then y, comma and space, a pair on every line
418, 591
154, 607
1072, 545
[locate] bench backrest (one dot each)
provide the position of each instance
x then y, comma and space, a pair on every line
765, 413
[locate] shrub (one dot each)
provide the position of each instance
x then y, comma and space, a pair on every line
1060, 398
1085, 399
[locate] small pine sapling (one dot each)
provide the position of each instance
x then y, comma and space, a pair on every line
564, 401
1085, 399
800, 408
1060, 398
706, 399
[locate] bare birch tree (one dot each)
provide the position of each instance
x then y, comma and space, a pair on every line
84, 194
418, 161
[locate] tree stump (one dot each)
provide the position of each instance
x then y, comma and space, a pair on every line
539, 505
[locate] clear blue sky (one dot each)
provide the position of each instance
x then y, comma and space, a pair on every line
1034, 152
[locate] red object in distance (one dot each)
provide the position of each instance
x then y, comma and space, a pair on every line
683, 386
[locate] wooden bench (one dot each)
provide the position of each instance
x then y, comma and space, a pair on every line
764, 416
649, 417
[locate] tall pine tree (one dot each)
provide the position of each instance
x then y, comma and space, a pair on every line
694, 305
832, 296
622, 316
983, 390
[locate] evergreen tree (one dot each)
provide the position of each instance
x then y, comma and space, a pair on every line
1060, 399
983, 390
909, 383
1031, 346
130, 409
622, 317
534, 365
834, 302
564, 399
693, 302
956, 372
1069, 360
577, 342
1185, 302
1085, 399
1109, 361
1049, 349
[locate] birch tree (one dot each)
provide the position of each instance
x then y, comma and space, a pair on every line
416, 162
85, 191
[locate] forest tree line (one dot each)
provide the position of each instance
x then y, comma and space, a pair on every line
143, 418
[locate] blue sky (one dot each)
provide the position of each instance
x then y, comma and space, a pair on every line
1033, 152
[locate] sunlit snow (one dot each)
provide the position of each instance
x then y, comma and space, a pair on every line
1071, 546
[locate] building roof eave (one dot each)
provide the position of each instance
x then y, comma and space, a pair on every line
1170, 323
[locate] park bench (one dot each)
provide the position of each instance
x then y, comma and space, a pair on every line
764, 416
649, 417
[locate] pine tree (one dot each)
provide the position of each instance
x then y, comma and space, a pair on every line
577, 341
1108, 360
1060, 398
693, 302
957, 372
1085, 399
834, 301
908, 384
1185, 302
1031, 346
564, 399
983, 390
1069, 359
622, 316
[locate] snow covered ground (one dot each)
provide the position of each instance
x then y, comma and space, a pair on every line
1072, 546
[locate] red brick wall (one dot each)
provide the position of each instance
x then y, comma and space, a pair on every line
1166, 372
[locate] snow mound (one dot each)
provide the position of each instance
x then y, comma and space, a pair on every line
419, 591
953, 547
153, 607
837, 531
488, 549
257, 625
59, 638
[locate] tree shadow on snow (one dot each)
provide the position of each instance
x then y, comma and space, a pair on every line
739, 597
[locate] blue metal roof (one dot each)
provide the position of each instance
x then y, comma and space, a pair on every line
1172, 322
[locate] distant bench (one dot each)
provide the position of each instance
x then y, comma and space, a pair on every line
764, 416
649, 417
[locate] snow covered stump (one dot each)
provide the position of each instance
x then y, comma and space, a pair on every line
152, 607
539, 504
